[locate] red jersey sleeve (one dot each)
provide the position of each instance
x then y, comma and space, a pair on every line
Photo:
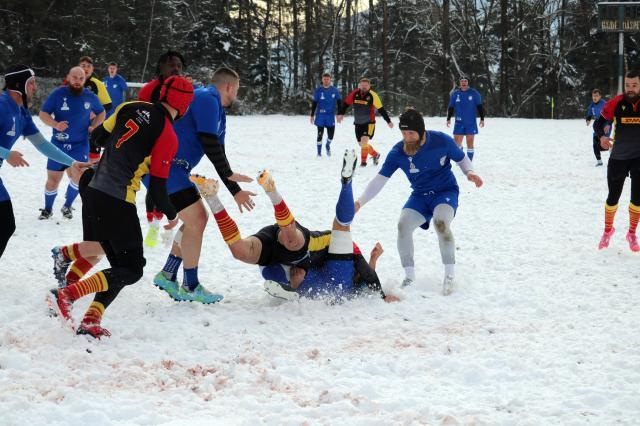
610, 108
349, 99
147, 90
163, 151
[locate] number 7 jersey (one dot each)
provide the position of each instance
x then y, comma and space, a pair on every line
138, 139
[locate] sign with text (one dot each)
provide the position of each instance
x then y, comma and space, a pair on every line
619, 16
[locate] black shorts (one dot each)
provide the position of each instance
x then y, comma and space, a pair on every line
367, 129
106, 218
184, 198
273, 252
83, 184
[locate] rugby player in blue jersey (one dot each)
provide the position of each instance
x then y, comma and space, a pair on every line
68, 110
16, 121
425, 158
326, 101
593, 113
465, 103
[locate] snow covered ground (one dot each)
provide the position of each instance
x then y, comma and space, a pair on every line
542, 329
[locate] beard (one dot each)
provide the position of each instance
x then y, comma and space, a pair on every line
631, 96
76, 90
411, 148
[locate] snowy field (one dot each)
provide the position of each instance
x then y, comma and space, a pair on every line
543, 329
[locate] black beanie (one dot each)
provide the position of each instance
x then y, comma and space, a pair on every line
16, 77
411, 119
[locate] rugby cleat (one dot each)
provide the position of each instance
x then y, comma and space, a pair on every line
60, 266
60, 305
93, 330
171, 287
349, 162
599, 163
151, 239
606, 238
206, 187
406, 282
199, 294
67, 212
277, 290
447, 285
376, 158
266, 181
45, 214
632, 239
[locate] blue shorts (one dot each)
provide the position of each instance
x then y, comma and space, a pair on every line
4, 195
79, 151
462, 128
178, 180
325, 120
425, 204
332, 279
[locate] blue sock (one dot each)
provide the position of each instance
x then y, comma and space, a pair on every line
49, 198
319, 146
345, 209
470, 153
72, 193
171, 267
190, 280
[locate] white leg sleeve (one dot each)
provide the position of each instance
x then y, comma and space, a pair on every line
442, 217
341, 242
409, 221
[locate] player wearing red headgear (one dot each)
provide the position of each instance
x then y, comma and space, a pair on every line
137, 139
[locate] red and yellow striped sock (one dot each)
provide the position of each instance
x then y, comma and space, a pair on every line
71, 252
94, 313
283, 215
609, 214
94, 284
364, 151
634, 216
372, 152
78, 270
228, 228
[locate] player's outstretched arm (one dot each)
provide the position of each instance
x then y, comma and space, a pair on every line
373, 188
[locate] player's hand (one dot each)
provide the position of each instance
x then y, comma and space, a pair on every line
390, 124
77, 168
390, 298
61, 126
172, 223
481, 123
311, 119
356, 205
340, 118
606, 142
377, 251
16, 160
448, 123
475, 179
296, 276
237, 177
243, 199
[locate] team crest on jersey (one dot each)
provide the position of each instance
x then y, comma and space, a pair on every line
322, 95
65, 107
457, 98
12, 132
470, 97
115, 85
443, 160
412, 167
87, 105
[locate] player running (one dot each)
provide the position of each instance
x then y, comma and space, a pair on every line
69, 110
593, 112
465, 102
425, 158
138, 139
16, 121
624, 112
201, 132
365, 103
326, 102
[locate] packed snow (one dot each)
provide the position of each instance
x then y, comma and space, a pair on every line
542, 329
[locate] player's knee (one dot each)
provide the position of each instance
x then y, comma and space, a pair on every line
441, 226
238, 252
404, 229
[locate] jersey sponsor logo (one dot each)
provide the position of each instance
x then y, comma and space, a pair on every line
457, 98
62, 136
412, 167
322, 96
87, 105
443, 160
133, 129
630, 120
65, 107
361, 102
143, 116
12, 132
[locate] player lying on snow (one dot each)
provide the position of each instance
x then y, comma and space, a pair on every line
289, 254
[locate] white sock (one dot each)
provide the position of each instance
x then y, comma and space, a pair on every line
275, 197
214, 203
449, 270
409, 272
